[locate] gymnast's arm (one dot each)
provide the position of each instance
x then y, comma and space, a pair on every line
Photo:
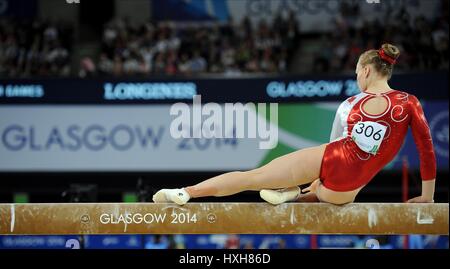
337, 129
424, 144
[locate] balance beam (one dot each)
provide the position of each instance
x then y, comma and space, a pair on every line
223, 218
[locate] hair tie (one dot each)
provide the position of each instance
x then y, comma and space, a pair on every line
386, 57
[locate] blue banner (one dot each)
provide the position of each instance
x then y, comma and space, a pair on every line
221, 241
40, 242
113, 242
193, 10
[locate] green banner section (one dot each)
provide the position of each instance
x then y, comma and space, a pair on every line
306, 122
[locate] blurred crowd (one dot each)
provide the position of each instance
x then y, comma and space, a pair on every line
423, 42
168, 48
43, 48
34, 48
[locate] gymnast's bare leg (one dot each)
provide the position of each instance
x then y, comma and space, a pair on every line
293, 169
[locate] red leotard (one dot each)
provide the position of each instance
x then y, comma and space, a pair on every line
346, 167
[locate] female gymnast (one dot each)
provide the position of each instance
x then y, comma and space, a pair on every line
368, 131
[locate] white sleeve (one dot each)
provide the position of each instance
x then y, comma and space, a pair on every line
337, 130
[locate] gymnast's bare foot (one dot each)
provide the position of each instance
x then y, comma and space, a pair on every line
178, 196
277, 197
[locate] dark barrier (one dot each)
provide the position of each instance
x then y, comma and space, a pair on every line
290, 89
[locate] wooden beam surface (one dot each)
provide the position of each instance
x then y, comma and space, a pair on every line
223, 218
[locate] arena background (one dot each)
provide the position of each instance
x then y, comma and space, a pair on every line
86, 88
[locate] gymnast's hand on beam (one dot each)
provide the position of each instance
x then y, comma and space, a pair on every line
313, 187
427, 193
420, 199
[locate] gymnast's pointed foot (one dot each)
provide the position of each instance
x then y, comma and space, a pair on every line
178, 196
277, 197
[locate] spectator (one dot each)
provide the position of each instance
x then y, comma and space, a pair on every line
88, 68
34, 48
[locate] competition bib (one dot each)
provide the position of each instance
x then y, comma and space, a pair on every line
368, 135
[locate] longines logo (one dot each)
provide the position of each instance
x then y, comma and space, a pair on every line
72, 1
